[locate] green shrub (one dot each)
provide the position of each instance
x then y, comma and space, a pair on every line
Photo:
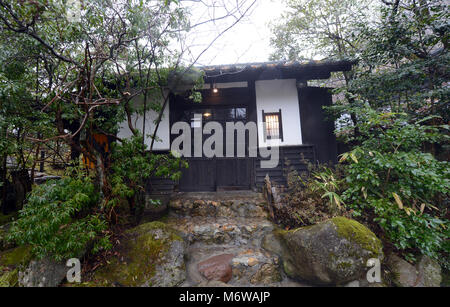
132, 167
391, 180
59, 219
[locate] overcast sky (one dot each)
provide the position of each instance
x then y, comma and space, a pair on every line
247, 41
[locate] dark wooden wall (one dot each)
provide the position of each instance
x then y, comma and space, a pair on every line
291, 158
316, 129
160, 186
317, 134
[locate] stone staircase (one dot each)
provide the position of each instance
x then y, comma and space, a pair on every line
220, 226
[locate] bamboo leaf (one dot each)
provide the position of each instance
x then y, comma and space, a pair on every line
343, 157
422, 208
398, 200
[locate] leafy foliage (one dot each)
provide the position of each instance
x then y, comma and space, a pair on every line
392, 111
133, 165
319, 28
312, 197
56, 219
401, 187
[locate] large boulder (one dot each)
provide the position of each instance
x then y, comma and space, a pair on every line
271, 243
18, 269
426, 273
429, 272
43, 273
333, 252
405, 274
151, 255
11, 261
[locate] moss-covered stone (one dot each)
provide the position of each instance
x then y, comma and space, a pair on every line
430, 272
145, 250
332, 252
289, 269
358, 233
17, 256
10, 262
8, 278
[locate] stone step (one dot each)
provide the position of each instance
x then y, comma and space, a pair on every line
249, 266
219, 204
225, 232
221, 230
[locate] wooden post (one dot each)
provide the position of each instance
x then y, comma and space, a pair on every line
267, 192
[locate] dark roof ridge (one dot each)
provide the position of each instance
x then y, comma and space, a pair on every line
273, 64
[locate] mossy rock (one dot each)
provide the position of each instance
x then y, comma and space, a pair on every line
9, 277
429, 271
426, 273
152, 254
15, 257
10, 262
333, 252
359, 234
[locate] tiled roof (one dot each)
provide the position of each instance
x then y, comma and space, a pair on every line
342, 65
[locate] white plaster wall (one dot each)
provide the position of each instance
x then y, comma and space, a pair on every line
163, 135
273, 95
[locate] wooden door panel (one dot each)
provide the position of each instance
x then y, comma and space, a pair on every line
234, 172
200, 176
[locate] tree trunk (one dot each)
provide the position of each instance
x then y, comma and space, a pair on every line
3, 173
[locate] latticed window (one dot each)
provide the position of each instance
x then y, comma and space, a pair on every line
272, 125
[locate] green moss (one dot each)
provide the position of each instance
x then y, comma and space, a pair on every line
17, 256
356, 232
344, 265
142, 250
2, 239
148, 226
9, 278
280, 233
10, 262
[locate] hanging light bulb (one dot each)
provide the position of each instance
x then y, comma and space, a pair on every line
215, 90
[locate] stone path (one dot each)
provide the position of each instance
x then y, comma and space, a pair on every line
230, 225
